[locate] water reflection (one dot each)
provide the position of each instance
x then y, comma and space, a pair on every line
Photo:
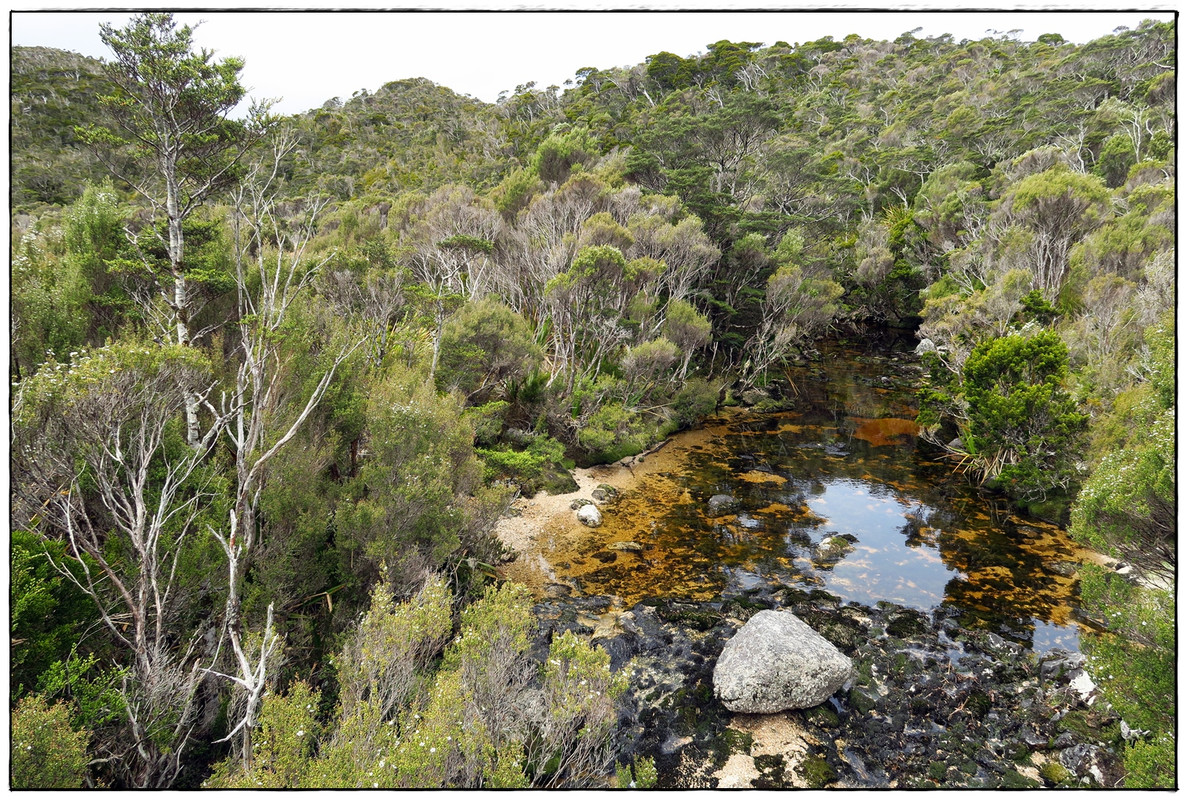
837, 494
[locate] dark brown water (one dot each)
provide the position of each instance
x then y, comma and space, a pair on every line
845, 463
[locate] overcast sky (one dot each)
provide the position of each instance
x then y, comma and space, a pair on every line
307, 58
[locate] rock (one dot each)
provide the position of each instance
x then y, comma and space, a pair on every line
589, 515
722, 503
604, 492
833, 548
1086, 760
629, 547
578, 503
752, 397
776, 662
925, 346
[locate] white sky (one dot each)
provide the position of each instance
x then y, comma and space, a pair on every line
309, 57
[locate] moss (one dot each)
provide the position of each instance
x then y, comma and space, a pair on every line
936, 770
1012, 779
905, 624
771, 770
1092, 726
823, 716
860, 701
978, 703
1054, 773
816, 772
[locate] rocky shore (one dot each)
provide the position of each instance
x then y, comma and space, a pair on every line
930, 705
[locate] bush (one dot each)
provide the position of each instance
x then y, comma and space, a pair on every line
696, 400
46, 752
612, 432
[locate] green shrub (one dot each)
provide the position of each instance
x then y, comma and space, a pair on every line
46, 752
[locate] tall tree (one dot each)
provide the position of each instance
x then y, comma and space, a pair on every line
172, 140
272, 271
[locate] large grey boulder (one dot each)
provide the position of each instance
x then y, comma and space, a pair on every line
776, 662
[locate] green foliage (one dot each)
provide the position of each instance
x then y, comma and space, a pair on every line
46, 752
484, 346
47, 612
641, 775
406, 507
170, 106
95, 692
1021, 422
1134, 663
283, 747
540, 466
558, 154
613, 432
696, 399
50, 297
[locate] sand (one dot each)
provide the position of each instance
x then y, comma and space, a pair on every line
537, 526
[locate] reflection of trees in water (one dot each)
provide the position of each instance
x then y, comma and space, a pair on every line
1004, 580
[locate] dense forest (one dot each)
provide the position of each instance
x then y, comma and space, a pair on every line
275, 379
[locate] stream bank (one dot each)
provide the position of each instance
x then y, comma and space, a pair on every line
961, 615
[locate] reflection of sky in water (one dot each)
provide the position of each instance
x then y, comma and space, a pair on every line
882, 566
1048, 636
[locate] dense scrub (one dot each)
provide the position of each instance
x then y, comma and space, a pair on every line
397, 310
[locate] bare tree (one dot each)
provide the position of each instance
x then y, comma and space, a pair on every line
97, 463
271, 272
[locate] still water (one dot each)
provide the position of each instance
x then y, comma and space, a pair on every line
839, 494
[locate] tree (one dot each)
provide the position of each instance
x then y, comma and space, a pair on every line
1057, 208
272, 272
98, 462
173, 141
1022, 424
797, 307
46, 752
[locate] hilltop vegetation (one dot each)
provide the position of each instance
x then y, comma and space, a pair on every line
404, 307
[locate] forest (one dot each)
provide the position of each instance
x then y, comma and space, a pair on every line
275, 379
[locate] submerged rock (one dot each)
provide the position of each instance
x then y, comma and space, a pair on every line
722, 503
776, 662
589, 515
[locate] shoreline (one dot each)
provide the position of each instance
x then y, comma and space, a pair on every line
536, 525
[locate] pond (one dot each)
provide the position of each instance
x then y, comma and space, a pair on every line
840, 494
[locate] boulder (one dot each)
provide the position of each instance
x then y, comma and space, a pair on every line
722, 504
775, 662
604, 492
589, 515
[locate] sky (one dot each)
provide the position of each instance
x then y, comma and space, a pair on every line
306, 58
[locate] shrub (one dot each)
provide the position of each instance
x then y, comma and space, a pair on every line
46, 752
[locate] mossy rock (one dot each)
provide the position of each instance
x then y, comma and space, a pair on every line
772, 769
1012, 779
906, 624
1055, 773
816, 772
822, 716
861, 702
978, 703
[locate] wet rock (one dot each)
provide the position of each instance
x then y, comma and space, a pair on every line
1090, 761
589, 515
832, 549
722, 504
604, 492
627, 547
776, 662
